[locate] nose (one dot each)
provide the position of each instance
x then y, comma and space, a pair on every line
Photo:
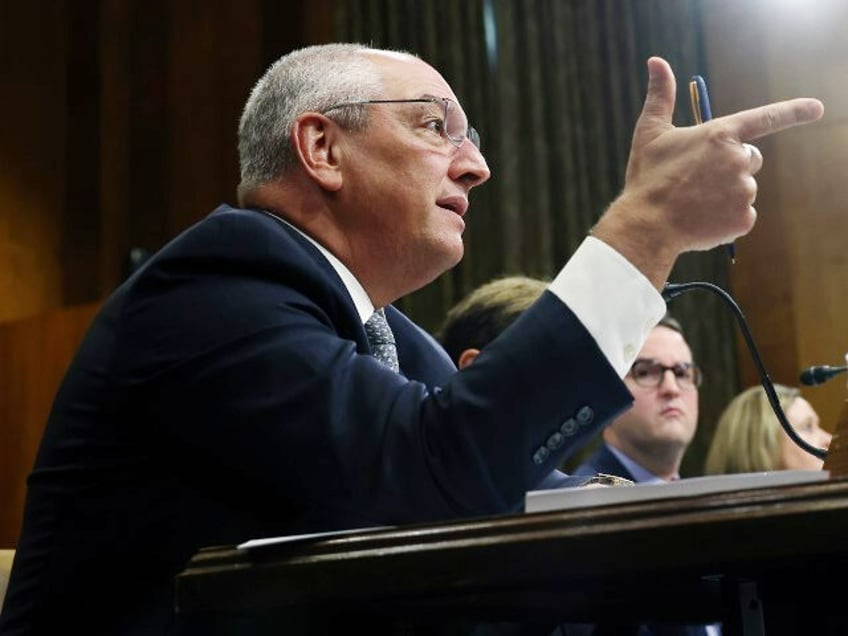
825, 438
667, 385
469, 165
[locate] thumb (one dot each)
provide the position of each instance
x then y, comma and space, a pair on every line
659, 102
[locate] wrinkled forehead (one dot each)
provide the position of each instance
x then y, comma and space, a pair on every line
405, 76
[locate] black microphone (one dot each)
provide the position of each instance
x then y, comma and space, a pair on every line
820, 374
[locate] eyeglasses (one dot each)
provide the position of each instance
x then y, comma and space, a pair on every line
649, 373
453, 126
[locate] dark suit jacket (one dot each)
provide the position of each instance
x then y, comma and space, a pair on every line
603, 461
224, 393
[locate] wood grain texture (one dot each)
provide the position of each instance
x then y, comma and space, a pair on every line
791, 270
34, 355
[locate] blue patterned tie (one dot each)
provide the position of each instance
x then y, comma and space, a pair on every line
381, 340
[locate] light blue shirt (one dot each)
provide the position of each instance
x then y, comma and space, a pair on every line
641, 475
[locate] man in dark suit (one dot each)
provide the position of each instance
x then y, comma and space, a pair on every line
646, 443
228, 389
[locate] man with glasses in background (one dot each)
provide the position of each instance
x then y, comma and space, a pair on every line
647, 442
253, 379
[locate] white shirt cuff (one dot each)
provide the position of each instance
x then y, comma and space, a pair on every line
613, 300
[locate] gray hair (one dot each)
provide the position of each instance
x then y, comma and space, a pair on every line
309, 79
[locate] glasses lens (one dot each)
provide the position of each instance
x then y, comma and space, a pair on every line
683, 375
695, 376
650, 373
474, 136
646, 373
456, 126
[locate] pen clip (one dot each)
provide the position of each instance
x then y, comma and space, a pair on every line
696, 103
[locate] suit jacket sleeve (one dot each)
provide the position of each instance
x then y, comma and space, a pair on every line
239, 352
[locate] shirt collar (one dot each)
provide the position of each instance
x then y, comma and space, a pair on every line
641, 475
358, 295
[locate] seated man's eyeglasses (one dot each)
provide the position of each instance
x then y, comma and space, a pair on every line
649, 373
454, 127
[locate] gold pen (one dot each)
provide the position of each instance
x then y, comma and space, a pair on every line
696, 101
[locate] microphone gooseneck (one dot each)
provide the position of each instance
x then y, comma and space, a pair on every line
673, 290
820, 374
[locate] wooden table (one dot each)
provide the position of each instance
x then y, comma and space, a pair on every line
766, 560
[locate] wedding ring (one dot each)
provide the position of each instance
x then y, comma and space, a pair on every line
755, 159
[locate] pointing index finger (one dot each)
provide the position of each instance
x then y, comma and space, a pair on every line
771, 118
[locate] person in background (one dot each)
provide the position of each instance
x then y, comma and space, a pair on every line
253, 379
749, 437
484, 314
667, 430
647, 442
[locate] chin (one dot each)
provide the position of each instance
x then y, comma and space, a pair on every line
430, 267
450, 251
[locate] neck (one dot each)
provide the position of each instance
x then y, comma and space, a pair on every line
662, 460
313, 214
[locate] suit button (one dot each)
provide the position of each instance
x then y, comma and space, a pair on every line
541, 455
555, 441
585, 416
569, 427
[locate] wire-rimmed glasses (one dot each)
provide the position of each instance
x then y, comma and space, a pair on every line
455, 127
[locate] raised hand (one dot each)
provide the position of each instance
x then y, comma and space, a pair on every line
690, 188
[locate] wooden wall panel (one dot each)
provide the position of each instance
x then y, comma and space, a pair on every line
32, 156
209, 78
121, 133
114, 130
790, 278
80, 226
34, 355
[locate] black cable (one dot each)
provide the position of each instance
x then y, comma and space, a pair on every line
673, 290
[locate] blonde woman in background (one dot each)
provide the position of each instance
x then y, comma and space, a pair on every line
749, 437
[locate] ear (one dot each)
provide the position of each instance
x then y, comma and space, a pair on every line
314, 139
467, 357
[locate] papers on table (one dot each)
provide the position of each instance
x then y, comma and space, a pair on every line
582, 497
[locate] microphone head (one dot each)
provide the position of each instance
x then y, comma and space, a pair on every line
810, 377
820, 374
